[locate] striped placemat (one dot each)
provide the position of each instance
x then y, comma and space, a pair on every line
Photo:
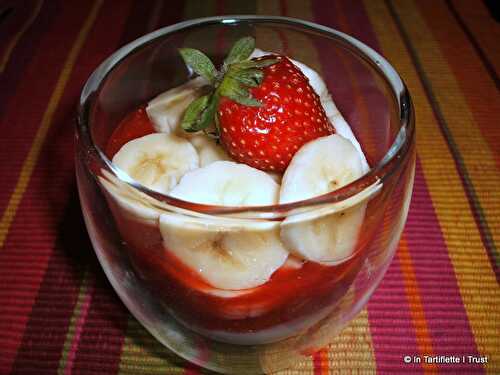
441, 296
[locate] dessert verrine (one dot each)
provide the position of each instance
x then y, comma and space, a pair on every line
261, 131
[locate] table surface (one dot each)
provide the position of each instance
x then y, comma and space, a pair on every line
440, 295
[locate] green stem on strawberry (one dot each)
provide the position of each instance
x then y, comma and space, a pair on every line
234, 80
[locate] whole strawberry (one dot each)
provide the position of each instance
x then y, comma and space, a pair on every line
264, 109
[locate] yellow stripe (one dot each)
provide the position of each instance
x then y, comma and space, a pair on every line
352, 348
477, 283
142, 353
34, 152
18, 35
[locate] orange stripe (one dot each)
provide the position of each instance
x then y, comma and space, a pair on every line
13, 42
477, 283
325, 364
34, 152
424, 342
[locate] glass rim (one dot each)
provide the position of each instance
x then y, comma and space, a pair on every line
378, 173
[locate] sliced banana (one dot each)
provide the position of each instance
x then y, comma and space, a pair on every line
329, 234
157, 161
130, 206
167, 109
208, 149
342, 127
227, 254
229, 184
320, 166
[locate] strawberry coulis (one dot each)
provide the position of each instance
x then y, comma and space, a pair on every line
292, 293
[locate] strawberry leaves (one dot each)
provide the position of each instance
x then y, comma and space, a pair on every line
241, 50
199, 114
234, 80
200, 63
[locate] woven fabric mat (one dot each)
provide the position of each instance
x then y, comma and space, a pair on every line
440, 296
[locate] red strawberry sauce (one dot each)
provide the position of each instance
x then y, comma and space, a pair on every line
292, 293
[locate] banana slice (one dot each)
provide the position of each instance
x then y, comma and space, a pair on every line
208, 149
320, 166
130, 206
342, 127
227, 254
167, 109
157, 161
227, 183
328, 234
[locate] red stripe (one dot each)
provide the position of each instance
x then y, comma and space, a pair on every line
34, 229
444, 310
23, 53
103, 332
140, 12
317, 363
14, 17
40, 213
49, 318
28, 103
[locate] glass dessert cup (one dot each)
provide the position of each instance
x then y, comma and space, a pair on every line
304, 304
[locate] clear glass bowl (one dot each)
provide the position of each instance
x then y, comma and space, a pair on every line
222, 330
